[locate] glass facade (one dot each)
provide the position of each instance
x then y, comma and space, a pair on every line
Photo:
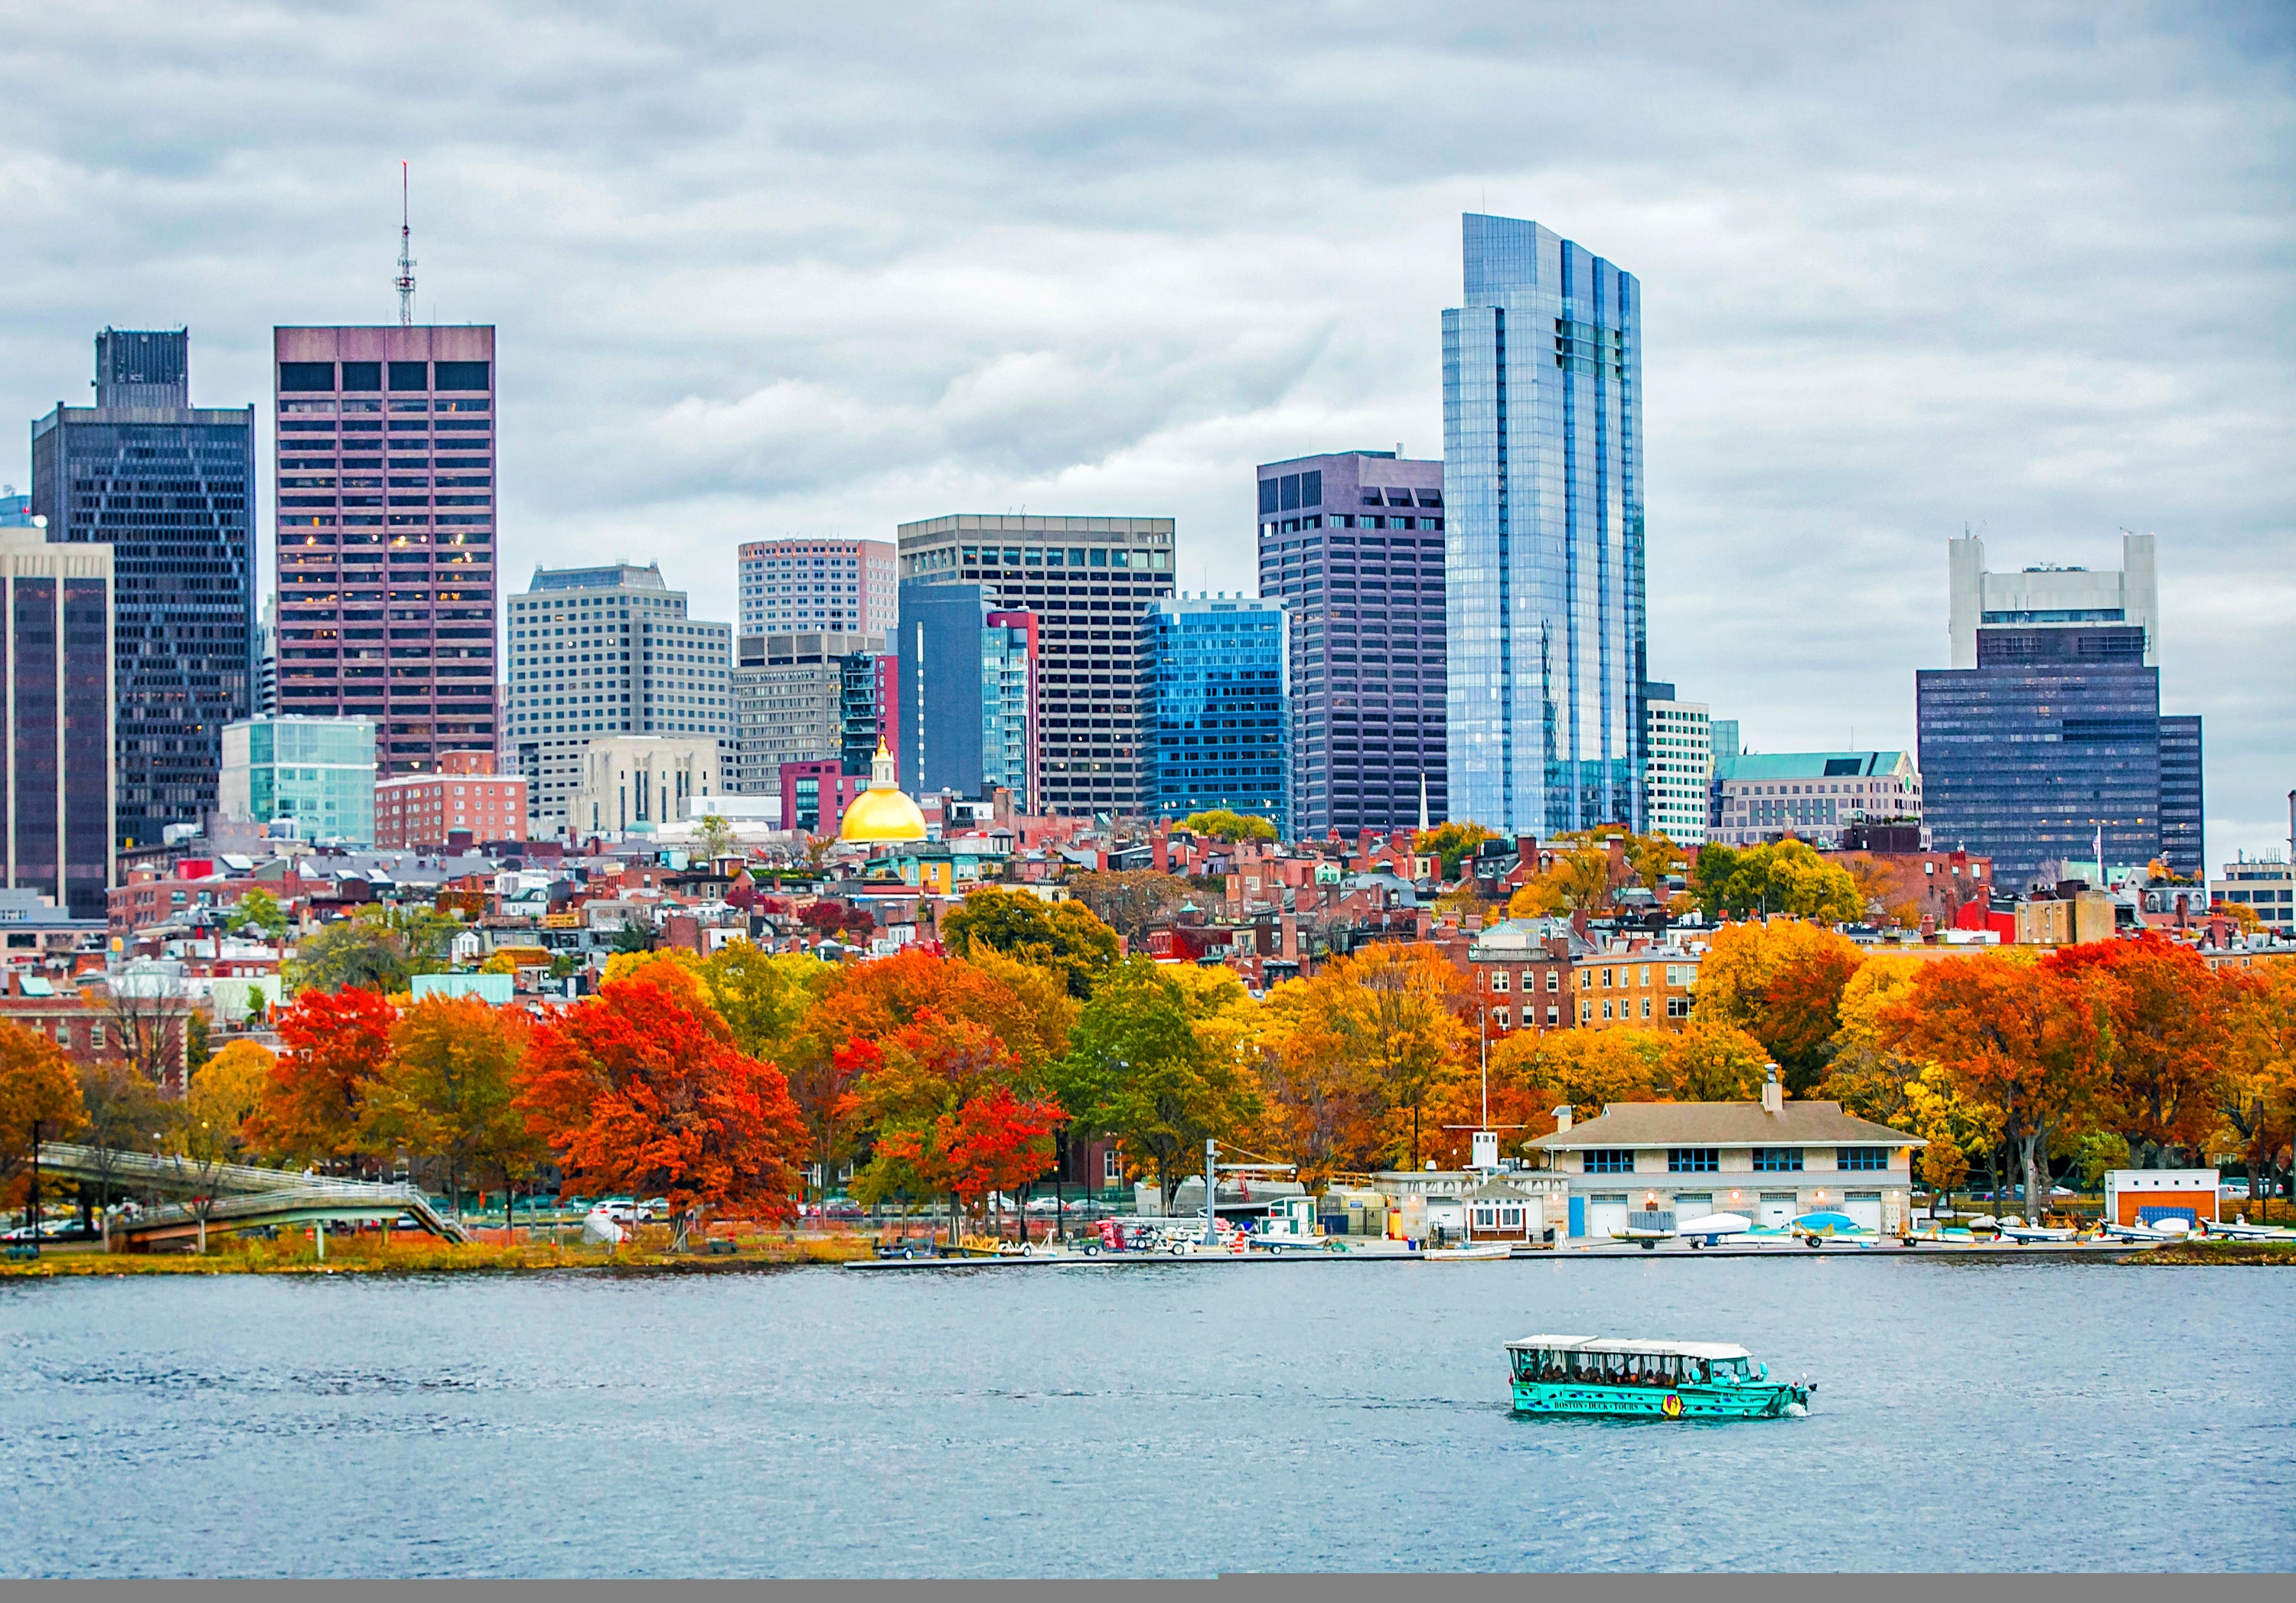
2053, 739
1351, 543
1218, 722
169, 488
319, 772
1548, 632
971, 669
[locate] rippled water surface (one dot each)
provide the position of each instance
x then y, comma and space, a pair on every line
1188, 1418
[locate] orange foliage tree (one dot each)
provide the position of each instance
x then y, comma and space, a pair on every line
641, 1089
1781, 982
38, 1089
313, 1101
941, 1094
2169, 1014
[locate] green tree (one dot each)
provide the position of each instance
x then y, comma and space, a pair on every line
636, 935
761, 996
1066, 937
195, 1041
1454, 843
1222, 823
714, 836
361, 953
1783, 877
1139, 1068
257, 911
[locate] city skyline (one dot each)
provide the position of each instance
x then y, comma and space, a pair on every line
1832, 316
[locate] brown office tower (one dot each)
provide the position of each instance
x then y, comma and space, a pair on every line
386, 512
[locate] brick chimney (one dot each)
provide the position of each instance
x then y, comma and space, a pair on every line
1774, 1095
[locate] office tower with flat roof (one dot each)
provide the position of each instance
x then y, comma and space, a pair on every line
15, 511
60, 775
1812, 796
1218, 668
2050, 743
795, 702
170, 487
319, 772
386, 535
634, 784
1090, 582
868, 707
971, 673
1677, 765
792, 585
606, 651
1351, 543
1543, 474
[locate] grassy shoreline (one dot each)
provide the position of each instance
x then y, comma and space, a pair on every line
2234, 1253
368, 1254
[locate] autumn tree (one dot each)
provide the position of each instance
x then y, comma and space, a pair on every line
1222, 823
337, 1045
1130, 900
2255, 1094
643, 1088
1577, 880
1453, 843
1866, 1075
1781, 982
1712, 1061
124, 1113
1589, 1070
1063, 936
447, 1093
350, 954
761, 995
2168, 1013
1394, 1010
39, 1098
2031, 1041
1959, 1129
1322, 1105
228, 1088
1137, 1068
940, 1095
1786, 877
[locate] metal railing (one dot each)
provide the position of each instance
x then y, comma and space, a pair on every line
282, 1192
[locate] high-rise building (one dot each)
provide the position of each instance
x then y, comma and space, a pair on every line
319, 772
868, 707
637, 783
608, 650
267, 660
1352, 544
842, 586
972, 673
1090, 582
1812, 796
15, 511
1217, 722
1677, 765
2050, 744
61, 774
465, 794
170, 487
790, 702
386, 529
1547, 632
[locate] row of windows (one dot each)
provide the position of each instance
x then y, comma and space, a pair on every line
306, 377
1707, 1160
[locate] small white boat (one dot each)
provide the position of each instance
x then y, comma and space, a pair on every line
2167, 1230
1709, 1229
2029, 1235
2241, 1230
1476, 1254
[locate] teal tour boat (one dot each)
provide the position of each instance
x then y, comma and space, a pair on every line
1657, 1379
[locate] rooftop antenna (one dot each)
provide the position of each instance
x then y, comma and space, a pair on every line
405, 282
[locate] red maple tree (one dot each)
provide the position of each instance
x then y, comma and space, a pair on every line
335, 1048
643, 1090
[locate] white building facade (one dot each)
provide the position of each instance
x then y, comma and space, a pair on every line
1678, 765
635, 784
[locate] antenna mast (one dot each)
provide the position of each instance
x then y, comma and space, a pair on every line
405, 282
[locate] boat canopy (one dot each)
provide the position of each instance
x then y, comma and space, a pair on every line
1713, 1351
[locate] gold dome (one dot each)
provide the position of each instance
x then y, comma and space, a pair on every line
882, 812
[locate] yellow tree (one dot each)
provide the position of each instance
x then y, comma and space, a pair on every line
228, 1088
1866, 1075
448, 1092
1590, 1068
1396, 1012
2255, 1090
1781, 982
1956, 1126
1715, 1062
1323, 1104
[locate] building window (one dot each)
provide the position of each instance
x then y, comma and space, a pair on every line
1554, 981
1861, 1157
1777, 1160
1615, 1161
1112, 1166
1499, 981
1692, 1161
1499, 1017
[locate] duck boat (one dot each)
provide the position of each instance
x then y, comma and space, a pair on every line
1648, 1380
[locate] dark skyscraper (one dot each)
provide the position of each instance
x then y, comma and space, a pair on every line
56, 781
1352, 544
416, 405
170, 487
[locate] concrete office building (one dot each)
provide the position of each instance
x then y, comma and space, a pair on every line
319, 772
605, 650
1352, 544
634, 784
1677, 765
2051, 743
971, 674
170, 487
2266, 887
836, 586
1724, 734
1218, 721
386, 532
790, 702
1813, 796
15, 509
1543, 476
1090, 580
62, 772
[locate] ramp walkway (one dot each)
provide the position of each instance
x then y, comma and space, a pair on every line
242, 1195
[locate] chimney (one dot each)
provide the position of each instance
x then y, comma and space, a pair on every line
1773, 1093
1291, 937
1563, 1118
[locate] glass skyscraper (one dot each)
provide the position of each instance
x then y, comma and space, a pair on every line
1216, 725
319, 772
169, 486
1546, 630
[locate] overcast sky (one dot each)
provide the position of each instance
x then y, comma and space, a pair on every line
762, 270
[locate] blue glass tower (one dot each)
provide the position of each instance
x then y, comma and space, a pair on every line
1217, 722
1546, 630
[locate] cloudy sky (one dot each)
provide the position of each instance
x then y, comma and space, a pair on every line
802, 269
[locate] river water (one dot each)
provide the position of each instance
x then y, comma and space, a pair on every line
1189, 1419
